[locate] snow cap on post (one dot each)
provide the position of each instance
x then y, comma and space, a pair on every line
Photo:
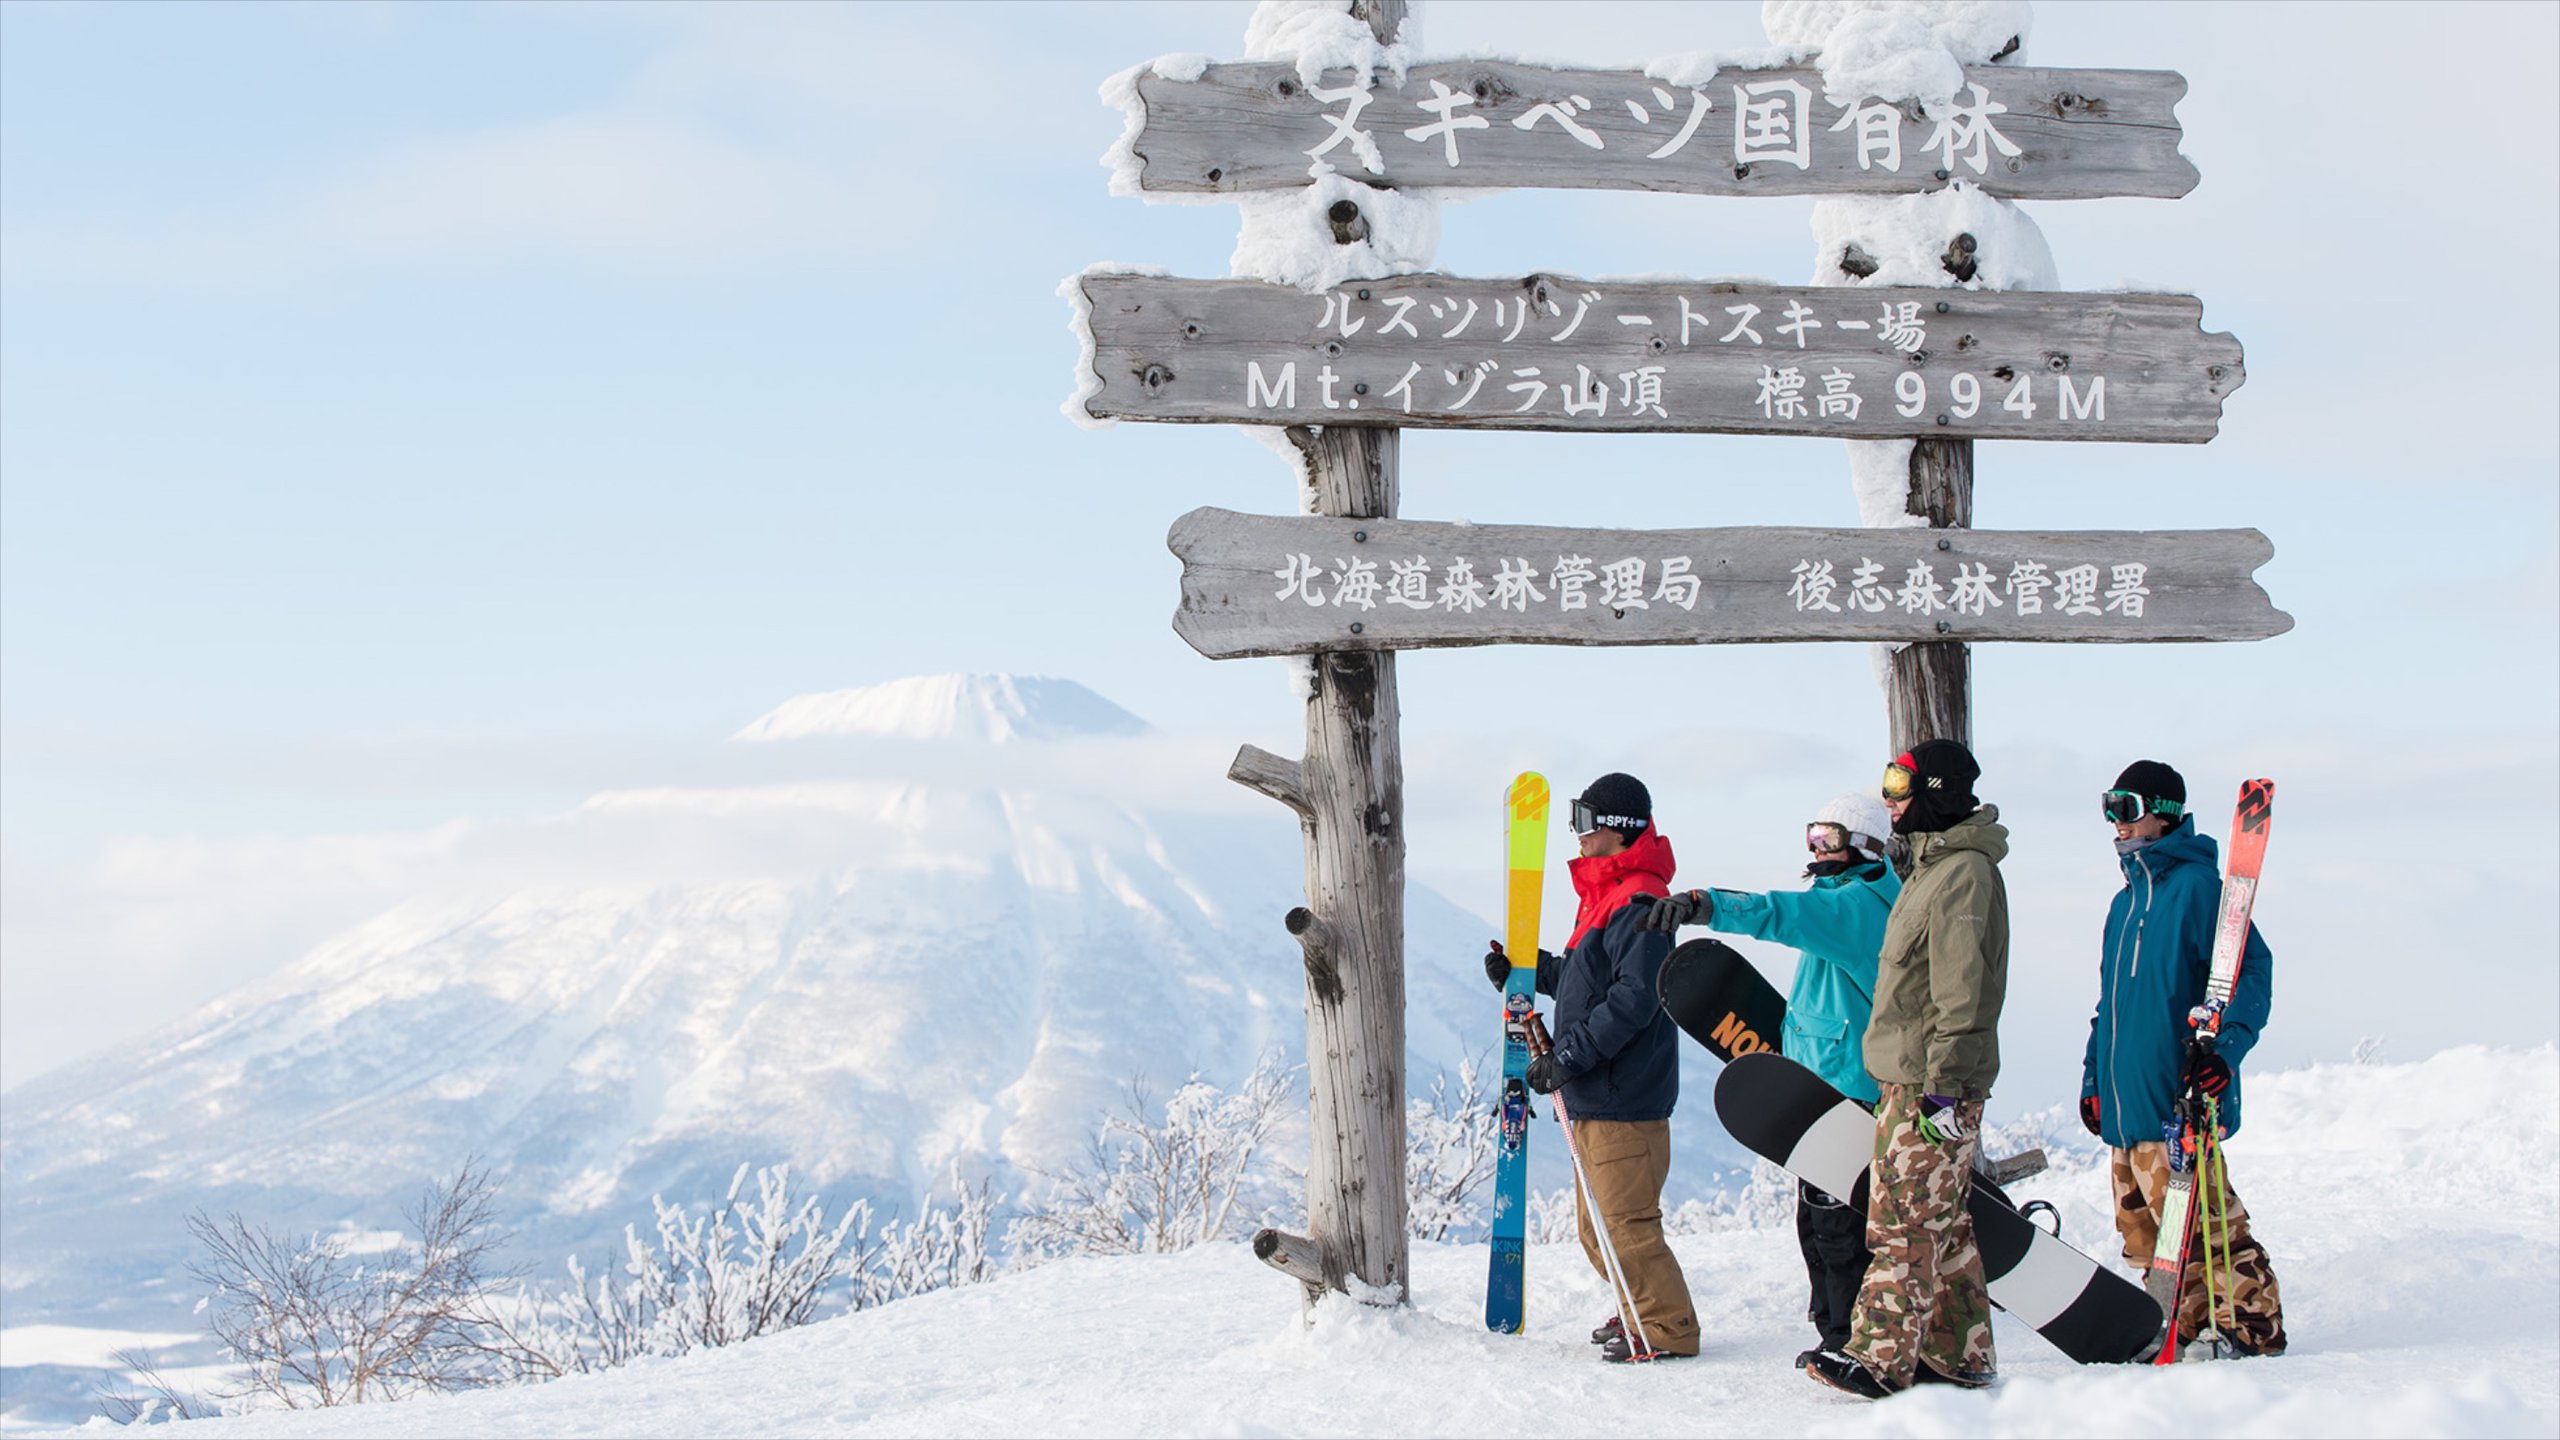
1337, 229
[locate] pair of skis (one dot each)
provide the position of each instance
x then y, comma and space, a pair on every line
1524, 1036
2192, 1133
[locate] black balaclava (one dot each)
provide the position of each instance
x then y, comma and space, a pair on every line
1942, 776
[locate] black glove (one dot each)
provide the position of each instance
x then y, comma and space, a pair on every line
2209, 1073
1497, 966
2089, 1112
1544, 1077
1667, 914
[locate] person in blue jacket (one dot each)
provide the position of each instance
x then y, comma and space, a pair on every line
2157, 953
1836, 926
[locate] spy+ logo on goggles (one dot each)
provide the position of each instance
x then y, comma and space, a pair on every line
1585, 820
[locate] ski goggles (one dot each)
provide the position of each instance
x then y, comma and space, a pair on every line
1585, 820
1898, 779
2124, 807
1827, 835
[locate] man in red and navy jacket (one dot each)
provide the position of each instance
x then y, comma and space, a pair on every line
1616, 1056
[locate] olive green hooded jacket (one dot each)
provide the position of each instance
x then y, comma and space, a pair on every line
1945, 966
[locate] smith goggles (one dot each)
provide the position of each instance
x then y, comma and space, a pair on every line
2124, 807
1585, 820
1898, 779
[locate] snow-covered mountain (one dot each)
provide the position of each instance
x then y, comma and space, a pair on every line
972, 975
994, 708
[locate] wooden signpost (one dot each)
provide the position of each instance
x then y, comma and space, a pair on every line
1553, 353
2019, 133
1298, 584
1343, 371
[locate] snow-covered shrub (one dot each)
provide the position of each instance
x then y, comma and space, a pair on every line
1152, 1185
736, 1271
1450, 1140
153, 1398
939, 1249
1551, 1219
1767, 1199
343, 1318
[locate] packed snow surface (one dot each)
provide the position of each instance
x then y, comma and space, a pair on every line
2410, 1209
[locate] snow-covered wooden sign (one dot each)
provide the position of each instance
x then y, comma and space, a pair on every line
1284, 585
2020, 133
1554, 353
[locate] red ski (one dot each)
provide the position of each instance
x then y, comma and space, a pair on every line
2191, 1134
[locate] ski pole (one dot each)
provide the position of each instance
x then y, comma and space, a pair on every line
2217, 1226
1540, 1044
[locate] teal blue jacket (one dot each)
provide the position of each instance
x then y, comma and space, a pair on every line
2157, 955
1837, 928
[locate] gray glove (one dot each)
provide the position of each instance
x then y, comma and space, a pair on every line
1666, 915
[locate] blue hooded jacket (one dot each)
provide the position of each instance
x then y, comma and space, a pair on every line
1837, 928
2158, 952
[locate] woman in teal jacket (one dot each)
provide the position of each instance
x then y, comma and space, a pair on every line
1836, 927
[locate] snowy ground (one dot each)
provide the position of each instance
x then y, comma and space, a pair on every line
2413, 1210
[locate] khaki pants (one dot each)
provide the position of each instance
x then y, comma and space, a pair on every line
2245, 1303
1626, 1162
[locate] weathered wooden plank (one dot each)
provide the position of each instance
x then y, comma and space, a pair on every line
2020, 132
1550, 352
1285, 585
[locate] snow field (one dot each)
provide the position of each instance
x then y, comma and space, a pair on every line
2413, 1212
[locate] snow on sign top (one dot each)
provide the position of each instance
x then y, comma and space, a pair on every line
2013, 131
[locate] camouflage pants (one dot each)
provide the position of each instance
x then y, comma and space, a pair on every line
1924, 1299
2245, 1303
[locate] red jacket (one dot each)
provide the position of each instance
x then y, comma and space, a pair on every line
1606, 882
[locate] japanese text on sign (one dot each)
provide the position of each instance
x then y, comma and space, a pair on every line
1502, 379
1919, 587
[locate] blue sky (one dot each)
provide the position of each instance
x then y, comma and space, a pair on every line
425, 416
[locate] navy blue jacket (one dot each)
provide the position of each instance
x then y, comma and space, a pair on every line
1619, 1052
2157, 955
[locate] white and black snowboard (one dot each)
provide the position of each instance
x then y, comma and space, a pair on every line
1787, 1114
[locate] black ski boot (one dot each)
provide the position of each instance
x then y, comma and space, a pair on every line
1608, 1330
1619, 1352
1841, 1373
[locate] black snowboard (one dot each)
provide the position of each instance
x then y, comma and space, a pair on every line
1785, 1113
1710, 991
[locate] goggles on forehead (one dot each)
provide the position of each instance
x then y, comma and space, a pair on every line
2124, 807
1897, 781
1585, 820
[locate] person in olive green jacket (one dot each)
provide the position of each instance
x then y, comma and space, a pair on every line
1923, 1314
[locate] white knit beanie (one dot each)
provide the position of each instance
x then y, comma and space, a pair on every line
1865, 817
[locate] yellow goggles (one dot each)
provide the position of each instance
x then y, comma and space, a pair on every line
1897, 781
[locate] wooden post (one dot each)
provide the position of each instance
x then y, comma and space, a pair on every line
1349, 796
1929, 695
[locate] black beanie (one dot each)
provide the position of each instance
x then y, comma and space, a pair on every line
1622, 797
2153, 781
1942, 776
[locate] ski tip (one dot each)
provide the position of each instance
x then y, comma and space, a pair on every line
1528, 796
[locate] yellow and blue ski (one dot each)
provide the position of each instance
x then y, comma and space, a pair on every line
1525, 844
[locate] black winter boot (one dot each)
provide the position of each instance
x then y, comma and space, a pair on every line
1844, 1374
